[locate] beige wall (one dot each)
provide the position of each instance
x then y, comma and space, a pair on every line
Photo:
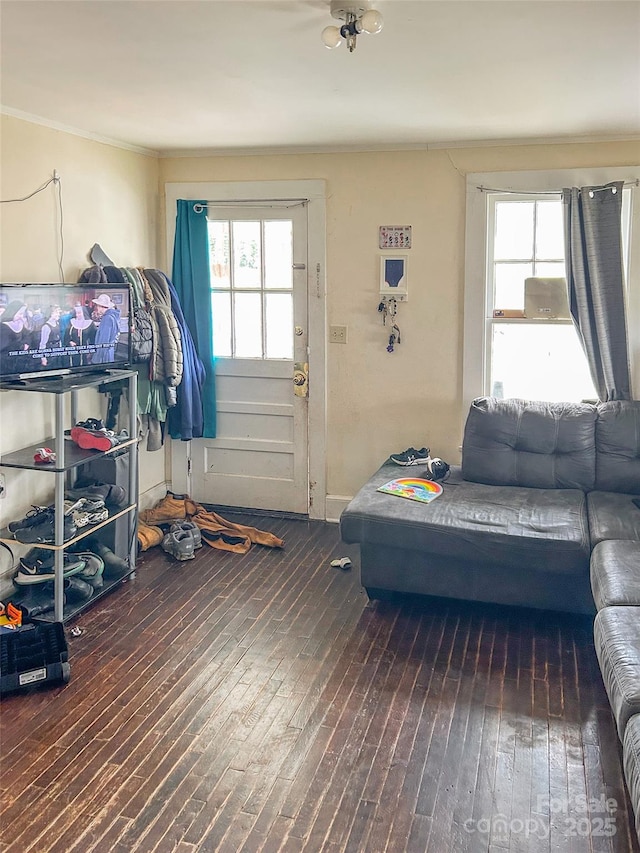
110, 196
378, 402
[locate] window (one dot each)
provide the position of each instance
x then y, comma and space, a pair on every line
529, 355
251, 266
511, 347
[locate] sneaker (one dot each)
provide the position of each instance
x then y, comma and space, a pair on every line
34, 516
45, 531
437, 469
93, 568
44, 456
86, 511
93, 439
190, 527
411, 456
179, 543
39, 571
109, 493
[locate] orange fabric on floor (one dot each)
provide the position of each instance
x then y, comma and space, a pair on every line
230, 536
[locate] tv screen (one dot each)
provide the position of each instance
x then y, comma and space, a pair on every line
63, 328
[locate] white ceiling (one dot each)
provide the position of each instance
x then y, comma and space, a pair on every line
220, 75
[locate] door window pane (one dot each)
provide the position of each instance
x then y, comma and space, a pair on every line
279, 325
247, 262
514, 230
247, 325
221, 314
219, 253
278, 254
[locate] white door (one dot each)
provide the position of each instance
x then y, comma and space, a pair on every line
259, 305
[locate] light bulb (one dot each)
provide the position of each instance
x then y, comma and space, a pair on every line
331, 37
371, 21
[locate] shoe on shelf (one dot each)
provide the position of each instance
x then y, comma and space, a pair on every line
77, 590
114, 567
179, 543
86, 511
34, 516
111, 494
44, 456
94, 439
36, 570
93, 568
410, 456
190, 527
44, 532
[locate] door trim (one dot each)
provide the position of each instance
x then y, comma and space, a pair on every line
277, 191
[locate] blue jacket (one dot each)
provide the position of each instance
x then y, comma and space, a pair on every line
185, 420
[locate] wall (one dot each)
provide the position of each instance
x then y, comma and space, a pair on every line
110, 196
379, 403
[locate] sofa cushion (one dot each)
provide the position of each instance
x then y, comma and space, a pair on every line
612, 516
631, 762
543, 529
527, 443
615, 573
616, 633
618, 447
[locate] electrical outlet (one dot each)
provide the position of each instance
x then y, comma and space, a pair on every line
3, 486
338, 334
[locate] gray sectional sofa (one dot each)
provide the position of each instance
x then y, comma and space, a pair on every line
540, 514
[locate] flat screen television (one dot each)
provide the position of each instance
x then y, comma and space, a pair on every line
56, 329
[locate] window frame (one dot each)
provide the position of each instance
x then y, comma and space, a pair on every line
478, 284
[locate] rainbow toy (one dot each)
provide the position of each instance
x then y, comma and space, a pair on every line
413, 489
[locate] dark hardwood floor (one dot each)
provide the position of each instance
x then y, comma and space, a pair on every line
260, 703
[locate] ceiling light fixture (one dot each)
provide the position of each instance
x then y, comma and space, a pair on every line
358, 18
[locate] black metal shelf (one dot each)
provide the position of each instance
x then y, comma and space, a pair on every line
7, 536
71, 610
70, 456
65, 383
73, 455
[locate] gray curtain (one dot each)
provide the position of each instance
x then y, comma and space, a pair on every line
595, 280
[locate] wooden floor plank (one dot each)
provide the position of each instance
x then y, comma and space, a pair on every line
259, 702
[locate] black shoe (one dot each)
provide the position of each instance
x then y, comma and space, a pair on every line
34, 516
93, 570
45, 531
110, 493
35, 571
77, 590
411, 456
114, 567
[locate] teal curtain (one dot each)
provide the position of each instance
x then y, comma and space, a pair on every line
192, 282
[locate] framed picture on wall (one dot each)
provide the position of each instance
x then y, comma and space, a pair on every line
393, 275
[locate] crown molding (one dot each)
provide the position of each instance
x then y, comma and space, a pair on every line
286, 150
75, 131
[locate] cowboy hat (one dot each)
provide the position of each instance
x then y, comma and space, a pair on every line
103, 300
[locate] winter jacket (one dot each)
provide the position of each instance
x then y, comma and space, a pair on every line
166, 361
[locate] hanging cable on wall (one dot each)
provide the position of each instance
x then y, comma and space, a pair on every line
58, 182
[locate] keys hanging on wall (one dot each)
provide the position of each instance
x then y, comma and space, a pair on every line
389, 308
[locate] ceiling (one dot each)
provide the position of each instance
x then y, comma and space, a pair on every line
247, 75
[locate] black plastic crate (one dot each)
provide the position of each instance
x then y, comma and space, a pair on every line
33, 655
